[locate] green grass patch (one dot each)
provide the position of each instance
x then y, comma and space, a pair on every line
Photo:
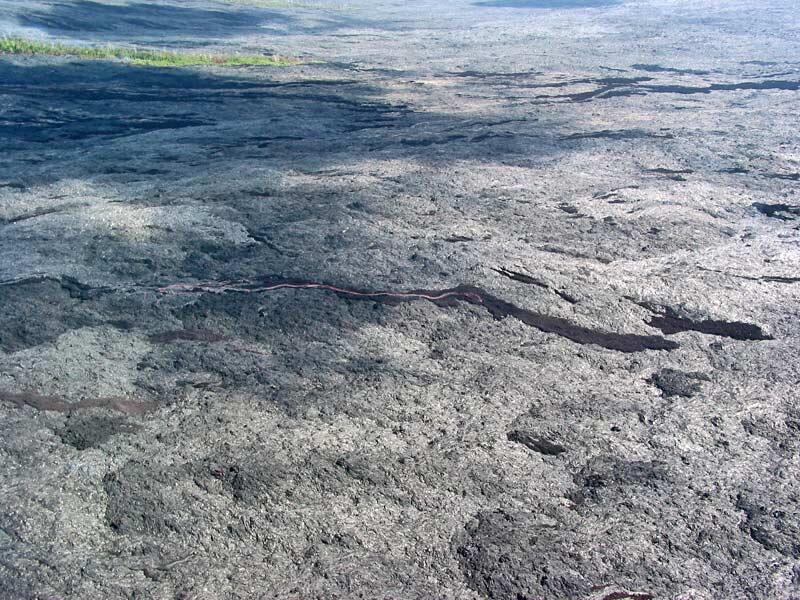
137, 56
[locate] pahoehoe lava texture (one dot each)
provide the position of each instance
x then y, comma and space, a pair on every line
498, 308
451, 392
63, 405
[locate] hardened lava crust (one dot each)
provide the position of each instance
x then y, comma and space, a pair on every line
478, 299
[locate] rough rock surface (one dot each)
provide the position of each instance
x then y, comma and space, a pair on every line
620, 170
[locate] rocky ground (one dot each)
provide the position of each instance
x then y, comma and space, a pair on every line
579, 380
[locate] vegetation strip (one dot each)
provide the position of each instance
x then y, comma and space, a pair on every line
138, 56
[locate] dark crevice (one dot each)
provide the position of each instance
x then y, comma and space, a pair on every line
602, 81
12, 185
764, 278
621, 134
75, 288
568, 208
566, 297
610, 88
663, 171
490, 135
261, 238
426, 142
784, 212
613, 193
521, 277
487, 124
449, 297
80, 291
769, 84
535, 443
432, 141
671, 322
185, 335
659, 69
785, 176
40, 213
527, 279
493, 75
674, 174
384, 120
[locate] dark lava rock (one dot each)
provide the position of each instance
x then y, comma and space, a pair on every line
514, 556
672, 382
142, 498
36, 312
605, 477
670, 322
784, 212
772, 522
90, 431
248, 481
638, 524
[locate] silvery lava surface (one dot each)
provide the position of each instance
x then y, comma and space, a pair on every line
602, 405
